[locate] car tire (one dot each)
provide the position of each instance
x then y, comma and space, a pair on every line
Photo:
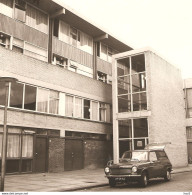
143, 180
112, 183
167, 177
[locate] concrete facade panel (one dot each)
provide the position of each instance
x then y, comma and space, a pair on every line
45, 121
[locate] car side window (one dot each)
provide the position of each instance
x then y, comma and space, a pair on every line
152, 156
161, 155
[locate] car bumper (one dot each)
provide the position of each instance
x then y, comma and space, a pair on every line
122, 176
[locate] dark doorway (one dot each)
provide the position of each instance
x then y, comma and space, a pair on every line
73, 154
40, 154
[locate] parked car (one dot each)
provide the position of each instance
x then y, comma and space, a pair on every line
140, 166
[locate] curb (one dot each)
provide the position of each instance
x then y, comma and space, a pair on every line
85, 187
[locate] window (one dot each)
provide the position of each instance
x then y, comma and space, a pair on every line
102, 112
37, 19
102, 77
189, 102
30, 98
18, 45
19, 150
152, 156
132, 83
94, 110
87, 109
63, 30
56, 28
78, 107
35, 52
6, 7
4, 40
86, 43
2, 93
69, 105
20, 10
42, 100
105, 52
53, 102
73, 66
16, 95
61, 61
75, 37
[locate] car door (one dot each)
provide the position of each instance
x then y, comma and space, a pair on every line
155, 165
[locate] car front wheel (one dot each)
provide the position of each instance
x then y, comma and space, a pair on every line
167, 177
144, 180
112, 182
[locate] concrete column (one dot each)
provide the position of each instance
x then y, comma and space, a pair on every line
115, 111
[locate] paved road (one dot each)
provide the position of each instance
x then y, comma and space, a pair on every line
181, 182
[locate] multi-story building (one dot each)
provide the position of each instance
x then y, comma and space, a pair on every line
188, 107
60, 110
148, 104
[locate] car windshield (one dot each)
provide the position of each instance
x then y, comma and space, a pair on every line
135, 156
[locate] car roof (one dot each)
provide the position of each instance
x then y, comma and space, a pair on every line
145, 150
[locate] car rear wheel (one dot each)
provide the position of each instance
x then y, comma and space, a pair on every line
167, 177
144, 180
112, 182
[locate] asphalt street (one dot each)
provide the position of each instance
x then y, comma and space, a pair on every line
181, 182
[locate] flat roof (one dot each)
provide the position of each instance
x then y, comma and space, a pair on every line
78, 21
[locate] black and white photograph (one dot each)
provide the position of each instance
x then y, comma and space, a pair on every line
95, 96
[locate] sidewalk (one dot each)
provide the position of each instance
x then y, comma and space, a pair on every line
61, 182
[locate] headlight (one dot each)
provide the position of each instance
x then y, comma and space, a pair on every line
107, 169
134, 169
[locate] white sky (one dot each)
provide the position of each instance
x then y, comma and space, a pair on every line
164, 25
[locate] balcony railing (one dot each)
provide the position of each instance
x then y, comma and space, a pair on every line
70, 52
22, 31
104, 66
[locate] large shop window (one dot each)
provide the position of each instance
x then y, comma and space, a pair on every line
30, 98
42, 100
87, 109
6, 7
102, 112
37, 19
69, 105
78, 107
19, 150
94, 110
16, 95
53, 102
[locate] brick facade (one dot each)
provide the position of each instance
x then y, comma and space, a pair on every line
166, 102
56, 154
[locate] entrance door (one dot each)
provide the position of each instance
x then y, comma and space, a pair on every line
73, 155
189, 148
40, 154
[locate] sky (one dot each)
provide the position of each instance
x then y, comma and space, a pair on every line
164, 25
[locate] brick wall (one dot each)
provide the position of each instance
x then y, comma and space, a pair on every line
56, 155
97, 153
166, 102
